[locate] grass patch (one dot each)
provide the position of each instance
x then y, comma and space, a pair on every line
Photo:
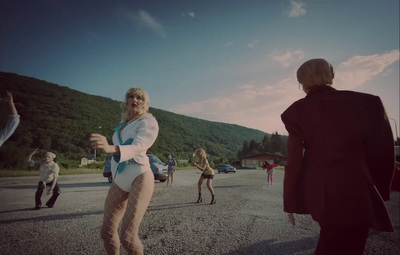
281, 168
22, 173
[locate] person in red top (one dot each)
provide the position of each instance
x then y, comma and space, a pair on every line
270, 171
339, 162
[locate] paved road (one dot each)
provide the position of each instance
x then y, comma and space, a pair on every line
247, 218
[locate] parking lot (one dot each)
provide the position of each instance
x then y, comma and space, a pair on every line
247, 218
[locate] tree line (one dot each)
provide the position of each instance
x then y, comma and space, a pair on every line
59, 119
271, 143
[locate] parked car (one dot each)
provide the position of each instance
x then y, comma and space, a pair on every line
158, 168
226, 168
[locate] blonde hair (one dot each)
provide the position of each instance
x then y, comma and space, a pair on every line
200, 154
144, 108
315, 72
51, 155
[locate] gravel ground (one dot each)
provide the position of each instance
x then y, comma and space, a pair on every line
247, 218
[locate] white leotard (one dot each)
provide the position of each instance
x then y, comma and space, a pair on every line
144, 132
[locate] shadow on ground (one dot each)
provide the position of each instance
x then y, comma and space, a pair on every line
304, 246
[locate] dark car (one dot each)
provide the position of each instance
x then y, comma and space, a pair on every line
107, 169
157, 167
226, 168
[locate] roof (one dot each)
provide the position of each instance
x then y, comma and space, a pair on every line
262, 156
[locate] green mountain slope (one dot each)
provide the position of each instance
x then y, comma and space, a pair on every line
59, 119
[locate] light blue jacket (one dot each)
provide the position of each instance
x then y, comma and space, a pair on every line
9, 129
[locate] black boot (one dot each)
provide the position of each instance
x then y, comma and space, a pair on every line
213, 200
199, 200
56, 193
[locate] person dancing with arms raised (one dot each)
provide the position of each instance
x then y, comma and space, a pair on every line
208, 174
49, 171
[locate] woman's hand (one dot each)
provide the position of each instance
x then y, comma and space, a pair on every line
98, 141
8, 98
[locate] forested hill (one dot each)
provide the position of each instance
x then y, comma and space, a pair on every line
59, 119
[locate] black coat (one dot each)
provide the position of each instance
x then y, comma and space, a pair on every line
340, 158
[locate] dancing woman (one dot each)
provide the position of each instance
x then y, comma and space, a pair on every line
208, 173
270, 171
133, 181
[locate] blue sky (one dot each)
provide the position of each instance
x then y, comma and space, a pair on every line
231, 61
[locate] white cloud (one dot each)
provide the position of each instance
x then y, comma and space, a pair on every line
252, 44
255, 106
357, 70
259, 106
189, 13
296, 9
228, 44
147, 20
142, 18
287, 58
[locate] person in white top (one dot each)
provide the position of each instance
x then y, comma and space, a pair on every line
13, 119
133, 181
49, 171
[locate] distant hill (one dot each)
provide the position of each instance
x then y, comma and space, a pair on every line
59, 119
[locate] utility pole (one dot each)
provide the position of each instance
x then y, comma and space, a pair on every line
95, 150
94, 164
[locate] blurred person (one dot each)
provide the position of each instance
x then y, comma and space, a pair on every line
270, 171
340, 161
208, 174
133, 181
396, 178
49, 171
13, 119
171, 163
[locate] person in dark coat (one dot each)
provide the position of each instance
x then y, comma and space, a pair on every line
340, 161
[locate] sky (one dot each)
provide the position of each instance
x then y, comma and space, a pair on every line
230, 61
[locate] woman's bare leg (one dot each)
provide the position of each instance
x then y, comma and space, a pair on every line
138, 201
114, 209
200, 184
210, 187
172, 178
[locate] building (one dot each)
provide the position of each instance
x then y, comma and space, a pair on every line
254, 161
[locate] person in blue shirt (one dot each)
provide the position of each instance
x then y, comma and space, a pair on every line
171, 162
